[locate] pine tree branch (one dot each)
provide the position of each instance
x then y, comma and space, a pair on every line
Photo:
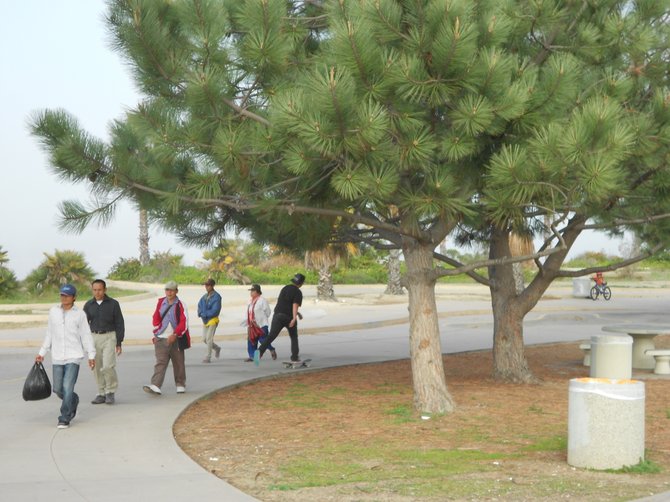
459, 266
75, 217
498, 261
613, 266
542, 56
240, 205
246, 113
617, 222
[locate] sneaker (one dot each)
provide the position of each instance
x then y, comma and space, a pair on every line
257, 357
109, 398
180, 389
217, 352
99, 399
248, 360
205, 360
63, 425
152, 389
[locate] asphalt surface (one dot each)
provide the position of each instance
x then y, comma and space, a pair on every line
127, 451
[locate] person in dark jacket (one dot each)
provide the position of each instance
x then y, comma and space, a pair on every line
105, 320
209, 308
286, 315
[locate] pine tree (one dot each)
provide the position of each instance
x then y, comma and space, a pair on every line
593, 156
388, 121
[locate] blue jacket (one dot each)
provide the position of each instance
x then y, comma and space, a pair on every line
209, 306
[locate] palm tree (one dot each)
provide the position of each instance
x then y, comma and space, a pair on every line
60, 268
394, 283
8, 282
225, 260
520, 245
323, 260
144, 237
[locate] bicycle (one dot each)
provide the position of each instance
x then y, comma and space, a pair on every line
602, 289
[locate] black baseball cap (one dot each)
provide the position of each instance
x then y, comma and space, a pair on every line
298, 279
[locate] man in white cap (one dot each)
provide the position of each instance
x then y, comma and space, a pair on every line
68, 338
170, 322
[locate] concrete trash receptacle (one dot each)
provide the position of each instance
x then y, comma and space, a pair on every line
581, 287
605, 423
611, 356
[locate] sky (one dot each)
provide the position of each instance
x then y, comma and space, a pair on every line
57, 54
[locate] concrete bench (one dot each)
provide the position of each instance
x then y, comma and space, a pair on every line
662, 357
586, 348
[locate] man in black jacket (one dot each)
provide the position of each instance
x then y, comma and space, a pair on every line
106, 322
286, 315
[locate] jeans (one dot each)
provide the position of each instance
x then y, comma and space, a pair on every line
252, 346
65, 377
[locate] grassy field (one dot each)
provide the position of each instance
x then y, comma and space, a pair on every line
23, 297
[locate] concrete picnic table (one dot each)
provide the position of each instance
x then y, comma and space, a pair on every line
643, 339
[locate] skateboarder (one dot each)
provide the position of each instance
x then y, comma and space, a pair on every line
285, 316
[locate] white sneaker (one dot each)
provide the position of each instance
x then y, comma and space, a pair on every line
180, 389
152, 389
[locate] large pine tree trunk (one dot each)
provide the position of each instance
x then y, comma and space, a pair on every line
509, 358
430, 385
509, 310
394, 284
144, 237
324, 289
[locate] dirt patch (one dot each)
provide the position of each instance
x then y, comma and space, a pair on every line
350, 434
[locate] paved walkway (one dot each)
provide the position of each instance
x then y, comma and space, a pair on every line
127, 451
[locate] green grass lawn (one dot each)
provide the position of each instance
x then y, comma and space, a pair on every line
23, 297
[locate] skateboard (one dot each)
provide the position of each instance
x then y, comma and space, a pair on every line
296, 364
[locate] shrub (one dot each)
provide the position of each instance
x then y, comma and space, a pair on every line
126, 269
60, 268
163, 266
278, 275
189, 275
591, 259
8, 283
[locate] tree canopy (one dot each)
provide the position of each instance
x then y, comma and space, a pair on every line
389, 122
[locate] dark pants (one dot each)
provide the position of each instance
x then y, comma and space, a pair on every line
279, 322
252, 346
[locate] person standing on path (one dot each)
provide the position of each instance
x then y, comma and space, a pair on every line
258, 317
68, 337
209, 308
170, 322
286, 315
106, 322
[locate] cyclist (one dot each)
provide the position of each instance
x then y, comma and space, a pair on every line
600, 280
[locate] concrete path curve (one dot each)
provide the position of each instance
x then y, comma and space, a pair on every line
127, 451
